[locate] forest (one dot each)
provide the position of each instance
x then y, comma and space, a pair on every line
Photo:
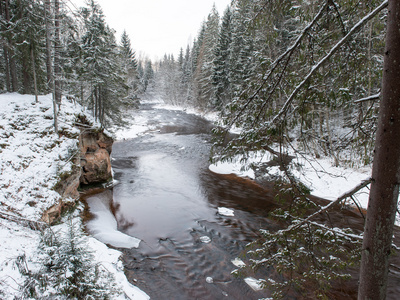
303, 75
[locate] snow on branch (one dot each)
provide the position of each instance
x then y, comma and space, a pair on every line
333, 50
277, 61
369, 98
346, 195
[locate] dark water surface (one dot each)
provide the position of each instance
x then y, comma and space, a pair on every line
166, 196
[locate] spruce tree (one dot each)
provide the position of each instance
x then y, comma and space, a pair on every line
222, 70
67, 269
205, 60
101, 67
129, 65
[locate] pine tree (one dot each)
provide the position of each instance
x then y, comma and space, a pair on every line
148, 75
28, 38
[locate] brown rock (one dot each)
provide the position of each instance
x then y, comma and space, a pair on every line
52, 214
96, 167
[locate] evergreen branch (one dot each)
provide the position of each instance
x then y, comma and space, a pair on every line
277, 62
333, 50
346, 195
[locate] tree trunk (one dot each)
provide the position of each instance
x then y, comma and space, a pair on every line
11, 61
57, 45
34, 75
7, 70
49, 69
95, 103
385, 172
26, 78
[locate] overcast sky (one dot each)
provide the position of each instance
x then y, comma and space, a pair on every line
156, 27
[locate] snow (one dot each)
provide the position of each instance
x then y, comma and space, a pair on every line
136, 128
32, 159
238, 262
205, 239
320, 175
15, 241
32, 156
110, 259
255, 284
104, 225
227, 212
234, 167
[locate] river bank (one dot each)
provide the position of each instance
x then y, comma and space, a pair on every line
33, 161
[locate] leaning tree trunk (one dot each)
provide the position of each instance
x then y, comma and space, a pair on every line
385, 172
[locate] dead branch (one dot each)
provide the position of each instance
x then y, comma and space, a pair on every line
369, 98
34, 225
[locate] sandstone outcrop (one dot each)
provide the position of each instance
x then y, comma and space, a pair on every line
95, 167
95, 157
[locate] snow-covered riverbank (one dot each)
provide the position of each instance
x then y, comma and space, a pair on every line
32, 159
321, 176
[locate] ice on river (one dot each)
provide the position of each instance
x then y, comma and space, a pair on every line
104, 225
255, 284
227, 212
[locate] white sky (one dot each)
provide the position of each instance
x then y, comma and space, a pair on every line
156, 27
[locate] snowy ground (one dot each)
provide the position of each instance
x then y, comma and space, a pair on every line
32, 158
320, 175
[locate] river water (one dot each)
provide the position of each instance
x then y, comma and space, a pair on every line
166, 196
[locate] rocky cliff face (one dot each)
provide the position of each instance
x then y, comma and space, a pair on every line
95, 157
95, 167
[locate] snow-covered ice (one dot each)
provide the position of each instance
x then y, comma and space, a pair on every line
320, 175
205, 239
255, 284
104, 225
238, 262
227, 212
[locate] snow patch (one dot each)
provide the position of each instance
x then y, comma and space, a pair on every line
104, 225
110, 259
255, 284
231, 168
227, 212
205, 239
238, 262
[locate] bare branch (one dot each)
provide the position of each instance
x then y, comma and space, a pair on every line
34, 225
369, 98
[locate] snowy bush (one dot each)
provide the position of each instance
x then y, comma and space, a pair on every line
66, 269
